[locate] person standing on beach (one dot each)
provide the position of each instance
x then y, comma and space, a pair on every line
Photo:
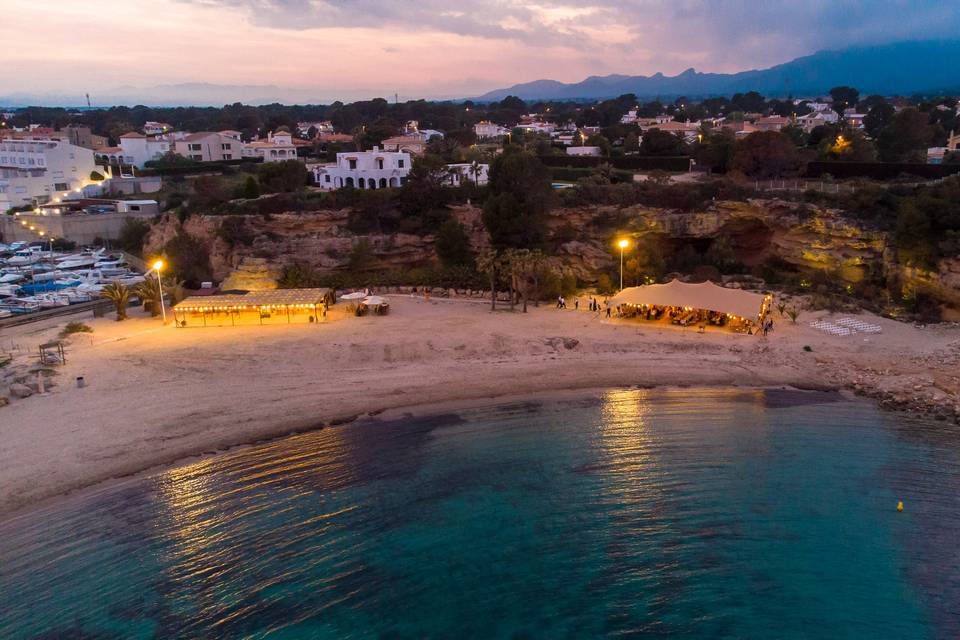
576, 304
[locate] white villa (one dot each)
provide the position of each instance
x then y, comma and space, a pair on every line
486, 130
376, 169
464, 172
137, 149
278, 147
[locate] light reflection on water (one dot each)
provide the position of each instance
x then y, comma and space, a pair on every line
705, 513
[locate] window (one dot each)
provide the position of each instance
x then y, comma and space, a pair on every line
379, 163
61, 186
228, 156
326, 178
225, 147
195, 147
400, 163
353, 163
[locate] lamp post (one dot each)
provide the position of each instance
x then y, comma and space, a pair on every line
623, 244
156, 267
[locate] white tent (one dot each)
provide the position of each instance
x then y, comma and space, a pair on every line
703, 295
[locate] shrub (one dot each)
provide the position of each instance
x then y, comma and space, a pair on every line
453, 245
604, 285
132, 235
75, 327
234, 231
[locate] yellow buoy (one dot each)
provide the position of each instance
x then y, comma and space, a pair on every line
900, 505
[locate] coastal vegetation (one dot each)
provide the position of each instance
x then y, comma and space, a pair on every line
119, 295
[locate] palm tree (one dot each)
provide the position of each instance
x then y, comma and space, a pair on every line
793, 313
149, 293
475, 172
488, 262
119, 295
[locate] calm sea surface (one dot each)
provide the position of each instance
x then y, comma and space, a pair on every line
696, 513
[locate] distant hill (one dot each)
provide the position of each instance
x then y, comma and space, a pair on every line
903, 68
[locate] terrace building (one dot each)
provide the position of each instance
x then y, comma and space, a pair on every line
42, 169
209, 146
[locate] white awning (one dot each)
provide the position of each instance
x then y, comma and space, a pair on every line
703, 295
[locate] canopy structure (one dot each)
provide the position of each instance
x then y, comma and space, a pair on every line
704, 295
263, 305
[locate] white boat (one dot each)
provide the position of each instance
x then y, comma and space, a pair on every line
10, 278
22, 258
50, 300
77, 262
8, 291
47, 276
21, 305
111, 263
5, 313
89, 288
75, 295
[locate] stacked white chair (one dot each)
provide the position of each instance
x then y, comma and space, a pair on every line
860, 325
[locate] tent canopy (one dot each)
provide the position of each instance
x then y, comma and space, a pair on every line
703, 295
255, 299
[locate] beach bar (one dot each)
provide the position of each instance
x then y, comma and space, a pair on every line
277, 306
700, 303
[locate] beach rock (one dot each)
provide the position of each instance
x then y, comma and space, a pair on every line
4, 401
570, 343
18, 390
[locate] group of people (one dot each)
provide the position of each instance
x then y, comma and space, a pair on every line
593, 304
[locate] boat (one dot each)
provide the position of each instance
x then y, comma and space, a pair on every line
23, 257
19, 306
11, 277
79, 261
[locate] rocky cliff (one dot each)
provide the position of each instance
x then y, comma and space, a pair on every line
809, 238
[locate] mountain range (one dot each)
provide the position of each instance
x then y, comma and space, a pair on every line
903, 68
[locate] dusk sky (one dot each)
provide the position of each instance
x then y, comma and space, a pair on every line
351, 49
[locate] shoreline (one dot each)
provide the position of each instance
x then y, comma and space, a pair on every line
158, 396
452, 405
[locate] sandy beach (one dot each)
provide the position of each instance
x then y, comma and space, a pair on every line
158, 394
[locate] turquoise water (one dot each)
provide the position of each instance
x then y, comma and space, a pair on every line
634, 513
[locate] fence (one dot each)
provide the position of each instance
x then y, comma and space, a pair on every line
828, 186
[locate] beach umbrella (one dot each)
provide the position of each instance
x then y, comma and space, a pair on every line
373, 301
356, 295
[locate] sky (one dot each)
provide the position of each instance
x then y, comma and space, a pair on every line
354, 49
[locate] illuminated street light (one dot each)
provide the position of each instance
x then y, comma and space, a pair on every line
157, 266
623, 244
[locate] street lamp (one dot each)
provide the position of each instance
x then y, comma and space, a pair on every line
623, 244
156, 267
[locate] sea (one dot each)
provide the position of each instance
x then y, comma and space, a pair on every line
621, 513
